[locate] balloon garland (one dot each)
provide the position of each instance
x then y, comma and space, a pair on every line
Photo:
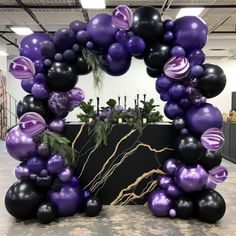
48, 68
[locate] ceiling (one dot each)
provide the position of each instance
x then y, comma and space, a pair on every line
50, 15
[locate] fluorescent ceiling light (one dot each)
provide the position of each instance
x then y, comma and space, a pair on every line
195, 11
93, 4
21, 30
3, 53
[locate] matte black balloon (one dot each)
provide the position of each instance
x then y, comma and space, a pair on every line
156, 56
93, 206
179, 123
212, 82
211, 159
210, 206
61, 77
44, 182
46, 213
153, 73
147, 23
48, 49
32, 104
81, 67
22, 199
184, 207
189, 149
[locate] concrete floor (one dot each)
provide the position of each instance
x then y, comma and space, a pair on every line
119, 220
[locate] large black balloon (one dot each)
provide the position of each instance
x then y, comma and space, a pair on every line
32, 104
46, 213
93, 206
211, 159
61, 77
210, 206
179, 123
184, 207
81, 67
189, 149
156, 56
147, 23
212, 82
153, 73
22, 199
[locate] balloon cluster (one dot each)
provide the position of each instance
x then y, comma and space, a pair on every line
48, 68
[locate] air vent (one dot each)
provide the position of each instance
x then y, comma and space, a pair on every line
217, 49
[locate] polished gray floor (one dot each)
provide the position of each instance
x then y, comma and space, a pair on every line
118, 220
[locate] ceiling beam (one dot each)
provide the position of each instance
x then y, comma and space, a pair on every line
9, 41
84, 11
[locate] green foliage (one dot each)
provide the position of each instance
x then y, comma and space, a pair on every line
111, 103
88, 109
148, 106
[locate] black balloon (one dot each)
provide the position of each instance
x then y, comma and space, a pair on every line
147, 23
156, 56
153, 73
93, 206
81, 67
61, 77
44, 182
210, 206
46, 213
189, 149
32, 104
211, 159
184, 207
22, 199
48, 49
179, 123
139, 57
212, 82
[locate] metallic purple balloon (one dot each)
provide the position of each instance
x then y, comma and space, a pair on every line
172, 110
159, 203
164, 181
31, 123
59, 103
30, 45
122, 17
67, 200
22, 68
19, 145
196, 71
177, 51
69, 55
135, 46
168, 37
40, 91
168, 24
27, 85
66, 174
74, 182
173, 191
172, 213
36, 164
58, 57
40, 78
165, 96
76, 96
190, 32
203, 117
86, 193
185, 103
176, 68
122, 37
191, 178
213, 139
210, 184
171, 165
77, 26
90, 45
101, 31
163, 83
177, 91
117, 51
82, 37
47, 62
21, 171
218, 174
196, 57
43, 150
57, 125
55, 164
39, 66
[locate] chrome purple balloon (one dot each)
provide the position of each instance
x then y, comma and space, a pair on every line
164, 181
39, 90
177, 68
22, 68
66, 174
213, 139
171, 165
43, 150
122, 17
218, 174
36, 165
76, 96
31, 123
135, 46
21, 171
55, 164
57, 125
173, 191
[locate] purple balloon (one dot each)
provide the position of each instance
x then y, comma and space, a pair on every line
172, 110
190, 32
168, 37
172, 213
122, 17
43, 150
36, 164
39, 66
30, 45
59, 103
64, 39
86, 194
57, 125
122, 37
210, 184
47, 62
185, 103
196, 57
48, 49
218, 174
76, 96
163, 82
58, 57
90, 45
19, 145
69, 55
22, 68
40, 91
77, 26
135, 46
177, 51
177, 91
173, 191
66, 174
159, 203
31, 123
21, 171
164, 181
67, 200
74, 182
164, 96
40, 78
191, 178
117, 51
196, 71
170, 166
82, 37
76, 48
168, 24
203, 117
27, 85
101, 31
55, 164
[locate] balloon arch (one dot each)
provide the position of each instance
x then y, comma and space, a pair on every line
48, 68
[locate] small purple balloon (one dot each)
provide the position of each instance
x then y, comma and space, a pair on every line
173, 191
196, 57
21, 171
164, 181
27, 84
172, 110
117, 51
76, 96
168, 24
69, 55
185, 103
40, 78
55, 164
86, 194
163, 83
74, 182
43, 150
165, 96
66, 174
40, 91
168, 37
82, 37
47, 62
196, 71
90, 45
58, 57
210, 184
57, 125
135, 46
36, 164
76, 48
122, 37
172, 213
170, 166
39, 66
77, 26
218, 174
177, 51
159, 203
177, 91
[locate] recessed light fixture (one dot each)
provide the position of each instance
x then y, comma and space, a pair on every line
194, 11
21, 30
93, 4
3, 53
